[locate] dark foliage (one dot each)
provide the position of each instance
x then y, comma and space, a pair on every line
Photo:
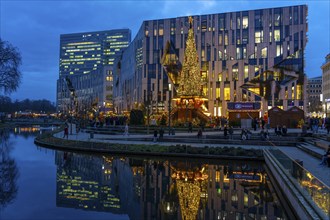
10, 61
6, 105
136, 117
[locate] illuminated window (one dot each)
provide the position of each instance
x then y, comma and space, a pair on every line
217, 93
276, 76
161, 30
238, 37
277, 17
277, 35
246, 71
220, 39
220, 55
220, 77
155, 30
226, 39
238, 53
270, 36
299, 92
279, 50
227, 92
258, 36
264, 52
217, 176
245, 22
235, 73
292, 92
238, 23
244, 53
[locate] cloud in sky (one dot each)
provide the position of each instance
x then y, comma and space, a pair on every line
35, 27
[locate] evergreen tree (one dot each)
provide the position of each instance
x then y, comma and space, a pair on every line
190, 77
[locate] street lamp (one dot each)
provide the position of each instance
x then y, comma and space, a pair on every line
169, 107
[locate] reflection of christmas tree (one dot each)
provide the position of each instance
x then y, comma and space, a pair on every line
190, 78
189, 198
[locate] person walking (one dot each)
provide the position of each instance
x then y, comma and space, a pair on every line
225, 131
327, 125
326, 158
231, 132
190, 127
66, 131
199, 133
126, 130
155, 135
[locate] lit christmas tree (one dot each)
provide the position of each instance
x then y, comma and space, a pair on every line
190, 77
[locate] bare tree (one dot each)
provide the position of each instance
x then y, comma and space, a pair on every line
10, 61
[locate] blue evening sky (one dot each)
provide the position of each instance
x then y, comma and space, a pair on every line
35, 27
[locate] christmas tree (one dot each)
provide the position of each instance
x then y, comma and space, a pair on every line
190, 77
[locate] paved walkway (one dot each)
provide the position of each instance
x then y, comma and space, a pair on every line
132, 139
309, 162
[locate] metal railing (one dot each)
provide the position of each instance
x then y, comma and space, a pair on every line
311, 188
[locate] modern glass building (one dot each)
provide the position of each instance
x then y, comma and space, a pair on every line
86, 62
247, 56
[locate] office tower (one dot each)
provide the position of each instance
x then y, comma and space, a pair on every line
85, 73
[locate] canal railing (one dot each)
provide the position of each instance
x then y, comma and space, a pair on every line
308, 196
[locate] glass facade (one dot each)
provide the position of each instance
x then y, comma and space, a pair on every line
85, 69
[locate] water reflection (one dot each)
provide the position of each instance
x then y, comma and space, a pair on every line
166, 189
8, 171
32, 131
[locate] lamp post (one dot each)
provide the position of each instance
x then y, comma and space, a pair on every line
169, 108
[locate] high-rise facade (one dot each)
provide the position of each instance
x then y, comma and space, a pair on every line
85, 72
246, 56
326, 84
314, 91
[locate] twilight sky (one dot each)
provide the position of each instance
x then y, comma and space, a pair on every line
35, 27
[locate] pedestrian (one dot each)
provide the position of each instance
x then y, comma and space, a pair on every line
161, 133
327, 125
190, 127
284, 130
155, 135
326, 158
199, 133
244, 134
66, 131
231, 132
126, 133
225, 131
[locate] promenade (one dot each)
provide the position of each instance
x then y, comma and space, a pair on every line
310, 161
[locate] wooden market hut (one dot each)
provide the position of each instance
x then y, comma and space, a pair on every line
289, 118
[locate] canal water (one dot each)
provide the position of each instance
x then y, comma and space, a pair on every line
40, 183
